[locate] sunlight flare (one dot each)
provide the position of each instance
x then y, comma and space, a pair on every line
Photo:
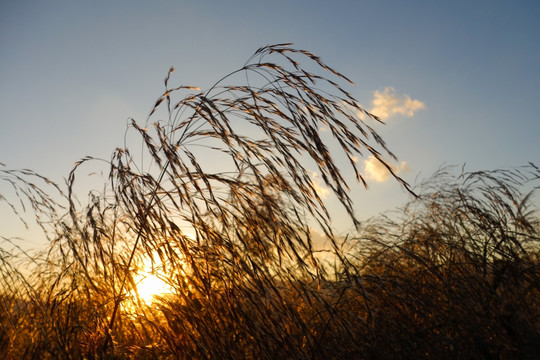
150, 283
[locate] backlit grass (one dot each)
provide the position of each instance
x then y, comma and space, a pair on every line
199, 245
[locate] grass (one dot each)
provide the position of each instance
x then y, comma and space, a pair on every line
220, 201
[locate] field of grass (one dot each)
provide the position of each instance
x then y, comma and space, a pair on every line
217, 201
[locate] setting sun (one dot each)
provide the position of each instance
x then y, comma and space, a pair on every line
149, 284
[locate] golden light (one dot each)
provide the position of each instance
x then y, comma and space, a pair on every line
149, 284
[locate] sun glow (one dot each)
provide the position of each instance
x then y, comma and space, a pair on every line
150, 284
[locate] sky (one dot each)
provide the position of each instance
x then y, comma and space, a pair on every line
456, 82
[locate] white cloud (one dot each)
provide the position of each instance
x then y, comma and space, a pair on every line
353, 111
387, 103
375, 170
324, 128
321, 190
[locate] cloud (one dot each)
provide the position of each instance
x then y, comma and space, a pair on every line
353, 111
375, 170
324, 128
387, 103
321, 190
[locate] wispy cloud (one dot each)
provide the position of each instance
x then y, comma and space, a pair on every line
387, 103
375, 170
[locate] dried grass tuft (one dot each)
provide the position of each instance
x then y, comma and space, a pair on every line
221, 202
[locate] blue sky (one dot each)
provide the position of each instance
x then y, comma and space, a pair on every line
458, 82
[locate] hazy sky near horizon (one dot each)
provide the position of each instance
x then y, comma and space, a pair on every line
457, 82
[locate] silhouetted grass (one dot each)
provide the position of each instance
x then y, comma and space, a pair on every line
221, 199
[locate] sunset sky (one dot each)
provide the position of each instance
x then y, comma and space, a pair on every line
457, 82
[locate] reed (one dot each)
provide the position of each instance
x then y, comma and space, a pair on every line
217, 199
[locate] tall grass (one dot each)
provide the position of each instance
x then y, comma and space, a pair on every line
221, 201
